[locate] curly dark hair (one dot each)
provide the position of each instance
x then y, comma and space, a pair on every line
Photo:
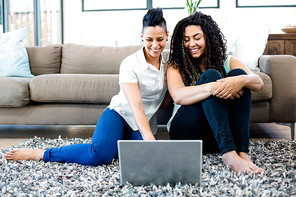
214, 55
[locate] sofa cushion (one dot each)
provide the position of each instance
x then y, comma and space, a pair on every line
80, 59
45, 60
266, 92
14, 91
74, 88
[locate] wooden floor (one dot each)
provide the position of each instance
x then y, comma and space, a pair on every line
13, 135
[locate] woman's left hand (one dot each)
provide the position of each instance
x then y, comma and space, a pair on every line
230, 88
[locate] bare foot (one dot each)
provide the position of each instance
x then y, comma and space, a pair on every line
246, 157
24, 154
238, 164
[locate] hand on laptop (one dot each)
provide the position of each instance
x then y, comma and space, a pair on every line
149, 136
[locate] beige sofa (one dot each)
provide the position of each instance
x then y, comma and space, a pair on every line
73, 84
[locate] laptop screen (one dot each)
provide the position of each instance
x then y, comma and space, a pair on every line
160, 162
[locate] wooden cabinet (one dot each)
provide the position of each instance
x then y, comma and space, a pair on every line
281, 44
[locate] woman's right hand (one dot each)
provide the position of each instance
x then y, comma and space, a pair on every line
214, 86
149, 137
133, 96
230, 86
238, 94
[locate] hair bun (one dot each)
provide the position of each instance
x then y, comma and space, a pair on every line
153, 18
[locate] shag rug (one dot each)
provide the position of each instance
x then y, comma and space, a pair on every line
37, 178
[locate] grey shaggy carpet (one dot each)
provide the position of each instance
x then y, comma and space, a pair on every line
36, 178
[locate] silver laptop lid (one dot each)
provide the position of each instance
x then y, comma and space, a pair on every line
160, 162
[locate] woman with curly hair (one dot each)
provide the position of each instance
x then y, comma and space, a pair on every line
211, 92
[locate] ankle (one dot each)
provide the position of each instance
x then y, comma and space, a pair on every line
38, 154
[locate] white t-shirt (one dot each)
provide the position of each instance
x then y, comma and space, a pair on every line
152, 84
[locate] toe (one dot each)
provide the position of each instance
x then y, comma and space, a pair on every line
11, 152
260, 171
14, 150
248, 171
256, 169
8, 157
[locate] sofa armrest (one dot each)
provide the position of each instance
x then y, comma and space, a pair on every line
282, 71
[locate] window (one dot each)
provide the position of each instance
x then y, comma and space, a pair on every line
1, 23
120, 5
177, 4
41, 17
114, 5
20, 14
265, 3
50, 22
95, 5
168, 3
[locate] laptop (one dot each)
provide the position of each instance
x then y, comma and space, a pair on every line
160, 162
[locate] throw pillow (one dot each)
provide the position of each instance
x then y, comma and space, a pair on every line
231, 46
250, 46
231, 39
14, 61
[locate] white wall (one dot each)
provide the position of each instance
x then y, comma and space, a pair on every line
122, 28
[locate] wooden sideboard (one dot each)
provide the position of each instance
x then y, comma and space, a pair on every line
281, 44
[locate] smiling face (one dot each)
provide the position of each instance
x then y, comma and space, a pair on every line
154, 39
194, 40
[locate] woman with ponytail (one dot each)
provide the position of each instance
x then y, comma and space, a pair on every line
131, 113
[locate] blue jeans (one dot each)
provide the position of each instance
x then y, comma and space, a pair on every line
110, 128
223, 125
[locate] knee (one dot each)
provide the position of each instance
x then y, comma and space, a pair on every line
99, 157
210, 75
236, 72
97, 160
94, 162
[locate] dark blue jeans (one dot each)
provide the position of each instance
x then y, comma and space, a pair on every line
110, 128
223, 125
